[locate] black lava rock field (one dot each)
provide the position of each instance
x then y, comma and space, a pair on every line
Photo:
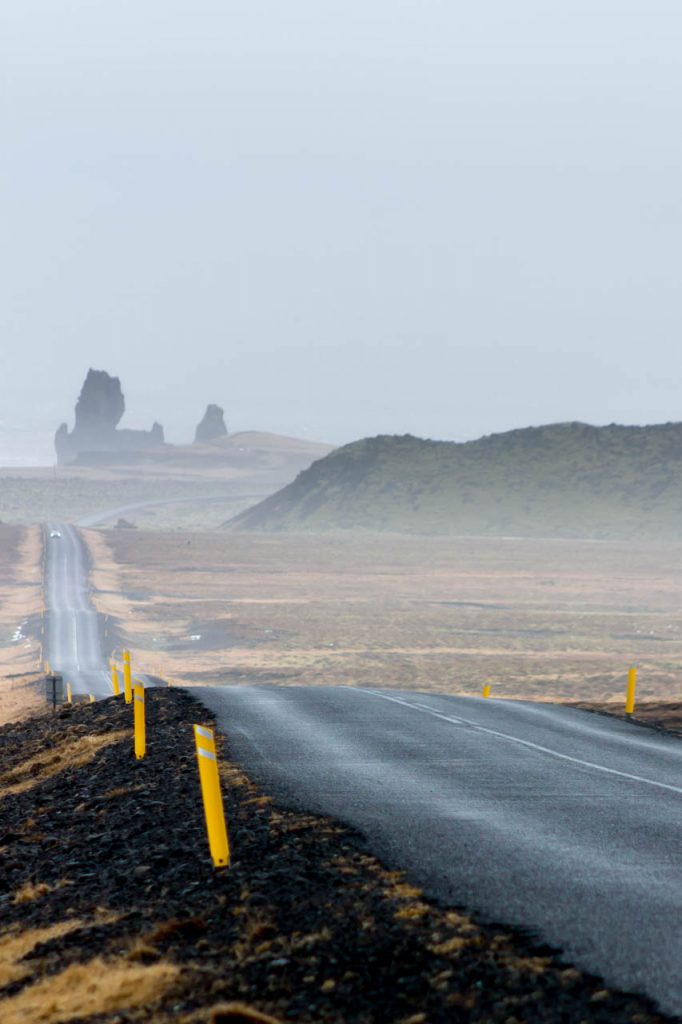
111, 911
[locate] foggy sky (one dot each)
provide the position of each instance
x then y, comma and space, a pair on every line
342, 218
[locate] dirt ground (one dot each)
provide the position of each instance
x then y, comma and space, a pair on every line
21, 608
663, 716
544, 620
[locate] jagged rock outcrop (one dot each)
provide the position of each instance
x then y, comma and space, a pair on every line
100, 405
212, 425
95, 437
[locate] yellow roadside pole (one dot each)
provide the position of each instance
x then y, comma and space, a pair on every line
114, 681
47, 669
127, 677
486, 690
630, 695
140, 731
213, 799
92, 699
69, 695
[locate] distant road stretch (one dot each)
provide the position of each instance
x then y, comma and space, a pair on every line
73, 645
557, 820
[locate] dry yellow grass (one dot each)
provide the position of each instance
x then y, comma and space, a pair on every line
21, 600
451, 947
21, 697
32, 891
83, 990
71, 754
234, 1013
556, 620
15, 945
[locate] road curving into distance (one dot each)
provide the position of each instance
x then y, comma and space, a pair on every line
98, 518
563, 822
73, 644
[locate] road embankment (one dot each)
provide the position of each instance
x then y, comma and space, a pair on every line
663, 716
111, 910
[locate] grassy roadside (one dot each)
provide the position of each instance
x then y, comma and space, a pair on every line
21, 608
111, 912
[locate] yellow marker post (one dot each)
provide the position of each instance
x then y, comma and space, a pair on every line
630, 696
213, 799
47, 669
114, 681
69, 695
140, 731
486, 690
92, 699
127, 677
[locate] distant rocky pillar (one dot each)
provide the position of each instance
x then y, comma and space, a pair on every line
95, 436
100, 404
212, 425
156, 434
62, 443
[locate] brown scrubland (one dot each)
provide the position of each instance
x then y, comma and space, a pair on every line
21, 607
537, 619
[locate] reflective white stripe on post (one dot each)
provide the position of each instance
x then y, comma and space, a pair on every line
139, 721
209, 777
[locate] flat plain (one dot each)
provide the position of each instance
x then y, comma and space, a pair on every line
197, 486
536, 619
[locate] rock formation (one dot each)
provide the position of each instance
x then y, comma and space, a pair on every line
124, 524
100, 404
95, 438
212, 425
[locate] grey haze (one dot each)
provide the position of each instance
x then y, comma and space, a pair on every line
341, 218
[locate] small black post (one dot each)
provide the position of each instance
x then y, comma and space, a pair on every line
54, 690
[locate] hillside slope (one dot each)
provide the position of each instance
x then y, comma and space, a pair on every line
562, 480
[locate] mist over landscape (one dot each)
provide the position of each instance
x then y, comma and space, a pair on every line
340, 512
440, 219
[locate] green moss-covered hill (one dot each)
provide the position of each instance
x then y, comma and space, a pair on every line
563, 480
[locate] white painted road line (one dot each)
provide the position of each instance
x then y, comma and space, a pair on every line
524, 743
564, 823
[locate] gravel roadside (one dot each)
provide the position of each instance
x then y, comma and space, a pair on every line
110, 910
664, 716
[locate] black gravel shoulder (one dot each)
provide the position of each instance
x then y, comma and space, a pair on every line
306, 925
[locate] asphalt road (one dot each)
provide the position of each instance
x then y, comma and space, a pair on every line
73, 644
563, 822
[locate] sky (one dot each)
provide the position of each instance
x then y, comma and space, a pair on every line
339, 219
